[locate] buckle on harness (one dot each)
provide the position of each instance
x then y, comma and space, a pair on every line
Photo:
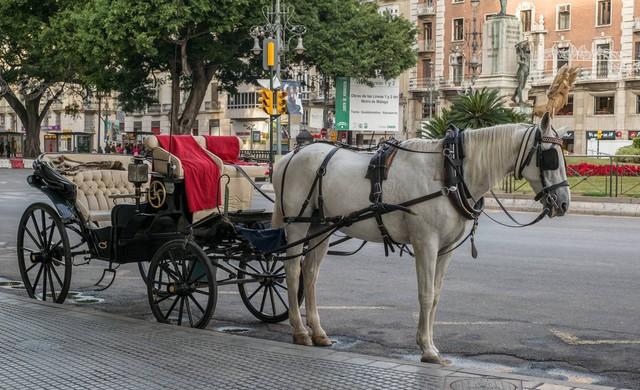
447, 190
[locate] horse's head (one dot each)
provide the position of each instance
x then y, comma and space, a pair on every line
541, 162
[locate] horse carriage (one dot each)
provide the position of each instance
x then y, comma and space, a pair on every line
103, 212
422, 205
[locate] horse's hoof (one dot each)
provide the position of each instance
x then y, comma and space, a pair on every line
321, 341
435, 360
302, 339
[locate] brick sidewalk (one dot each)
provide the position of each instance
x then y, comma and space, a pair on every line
47, 346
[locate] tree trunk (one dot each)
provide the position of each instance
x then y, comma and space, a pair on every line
31, 119
325, 104
174, 115
201, 76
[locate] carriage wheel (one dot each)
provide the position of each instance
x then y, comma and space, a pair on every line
266, 297
181, 285
44, 254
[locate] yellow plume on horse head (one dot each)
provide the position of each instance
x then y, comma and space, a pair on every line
558, 93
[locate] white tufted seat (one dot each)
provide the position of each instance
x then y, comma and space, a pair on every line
95, 186
93, 191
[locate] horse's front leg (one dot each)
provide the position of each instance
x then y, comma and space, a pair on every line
442, 264
426, 253
310, 271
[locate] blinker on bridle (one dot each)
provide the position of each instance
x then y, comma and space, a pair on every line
546, 160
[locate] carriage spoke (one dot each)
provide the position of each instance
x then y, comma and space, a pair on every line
56, 245
281, 299
254, 270
166, 316
35, 284
190, 273
180, 311
57, 276
165, 268
255, 292
30, 268
279, 270
282, 285
196, 303
188, 311
201, 292
44, 283
26, 229
273, 304
30, 250
264, 298
163, 298
53, 290
35, 224
53, 225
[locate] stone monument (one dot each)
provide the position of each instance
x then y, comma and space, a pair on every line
500, 36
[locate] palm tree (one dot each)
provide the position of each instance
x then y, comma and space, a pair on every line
481, 108
435, 127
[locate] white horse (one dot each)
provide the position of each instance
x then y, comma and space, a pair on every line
490, 154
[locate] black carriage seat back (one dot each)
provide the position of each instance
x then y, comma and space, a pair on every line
54, 180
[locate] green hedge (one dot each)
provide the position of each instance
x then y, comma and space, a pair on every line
630, 151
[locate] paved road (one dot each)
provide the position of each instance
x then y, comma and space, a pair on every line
560, 299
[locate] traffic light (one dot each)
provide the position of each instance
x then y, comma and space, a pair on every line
281, 104
266, 101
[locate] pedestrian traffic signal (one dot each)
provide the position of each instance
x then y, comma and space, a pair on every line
281, 104
266, 101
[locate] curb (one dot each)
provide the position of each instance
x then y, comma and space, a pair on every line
578, 206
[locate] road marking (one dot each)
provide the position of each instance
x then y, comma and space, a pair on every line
353, 307
571, 339
416, 316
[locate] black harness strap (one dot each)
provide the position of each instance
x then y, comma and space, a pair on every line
318, 214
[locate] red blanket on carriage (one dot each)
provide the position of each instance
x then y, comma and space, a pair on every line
227, 148
201, 174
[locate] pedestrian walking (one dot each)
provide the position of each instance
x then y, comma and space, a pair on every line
1, 148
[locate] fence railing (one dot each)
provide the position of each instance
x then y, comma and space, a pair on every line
256, 155
603, 176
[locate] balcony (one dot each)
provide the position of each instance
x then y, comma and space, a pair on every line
426, 46
212, 106
154, 108
422, 85
636, 25
426, 9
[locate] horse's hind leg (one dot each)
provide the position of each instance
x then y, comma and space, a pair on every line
310, 270
441, 269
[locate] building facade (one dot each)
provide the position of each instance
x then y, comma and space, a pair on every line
602, 37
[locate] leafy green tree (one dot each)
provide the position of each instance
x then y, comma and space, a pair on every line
128, 44
350, 38
33, 71
481, 108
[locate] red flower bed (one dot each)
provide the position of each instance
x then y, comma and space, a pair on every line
586, 169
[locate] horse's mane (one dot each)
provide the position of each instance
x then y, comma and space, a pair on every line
491, 148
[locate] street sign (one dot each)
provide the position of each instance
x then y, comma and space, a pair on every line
606, 135
264, 83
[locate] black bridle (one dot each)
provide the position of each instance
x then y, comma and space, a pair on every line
546, 160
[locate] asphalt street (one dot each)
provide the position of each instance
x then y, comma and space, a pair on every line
559, 299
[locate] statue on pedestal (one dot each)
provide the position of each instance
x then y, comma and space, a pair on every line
523, 54
503, 8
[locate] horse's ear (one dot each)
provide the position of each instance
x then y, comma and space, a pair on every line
545, 123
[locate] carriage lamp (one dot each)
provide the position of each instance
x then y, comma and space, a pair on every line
138, 174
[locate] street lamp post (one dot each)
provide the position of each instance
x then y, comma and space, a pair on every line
278, 26
474, 63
